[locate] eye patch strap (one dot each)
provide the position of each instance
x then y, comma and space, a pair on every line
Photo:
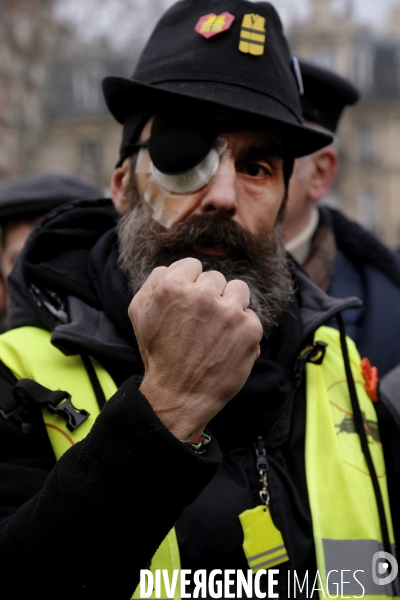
130, 150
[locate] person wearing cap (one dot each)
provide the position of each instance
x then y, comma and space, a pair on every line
340, 256
24, 202
185, 406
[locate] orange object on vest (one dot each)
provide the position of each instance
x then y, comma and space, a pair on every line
371, 377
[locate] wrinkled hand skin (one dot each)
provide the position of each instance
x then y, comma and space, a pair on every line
198, 340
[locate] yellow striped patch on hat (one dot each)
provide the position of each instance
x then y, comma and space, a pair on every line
252, 35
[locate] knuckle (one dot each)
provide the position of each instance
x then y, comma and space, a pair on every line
243, 290
136, 301
195, 261
172, 278
205, 287
204, 296
159, 271
154, 276
169, 286
184, 262
134, 308
230, 315
254, 328
242, 285
213, 275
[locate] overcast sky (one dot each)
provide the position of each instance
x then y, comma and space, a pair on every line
118, 19
372, 12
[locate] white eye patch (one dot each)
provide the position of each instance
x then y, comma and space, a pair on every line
192, 180
163, 192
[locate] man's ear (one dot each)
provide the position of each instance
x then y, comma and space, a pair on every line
325, 164
119, 186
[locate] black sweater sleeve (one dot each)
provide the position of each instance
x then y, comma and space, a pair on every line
86, 528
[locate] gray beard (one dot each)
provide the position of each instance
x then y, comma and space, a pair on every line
258, 261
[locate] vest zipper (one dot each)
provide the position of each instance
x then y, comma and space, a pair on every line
313, 353
298, 374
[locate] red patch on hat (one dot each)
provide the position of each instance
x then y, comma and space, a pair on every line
212, 24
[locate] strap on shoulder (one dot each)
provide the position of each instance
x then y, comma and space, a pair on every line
19, 397
8, 405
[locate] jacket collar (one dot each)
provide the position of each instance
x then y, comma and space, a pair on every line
317, 308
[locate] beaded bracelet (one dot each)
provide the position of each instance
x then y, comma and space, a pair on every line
196, 445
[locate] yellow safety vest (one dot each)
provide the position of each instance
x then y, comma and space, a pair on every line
343, 506
344, 513
29, 353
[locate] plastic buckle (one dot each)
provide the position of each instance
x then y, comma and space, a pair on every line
28, 392
73, 416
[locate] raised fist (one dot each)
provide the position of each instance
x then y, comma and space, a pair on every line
198, 340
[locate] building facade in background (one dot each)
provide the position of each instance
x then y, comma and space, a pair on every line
27, 39
52, 114
80, 136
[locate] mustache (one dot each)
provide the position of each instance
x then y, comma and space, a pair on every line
216, 231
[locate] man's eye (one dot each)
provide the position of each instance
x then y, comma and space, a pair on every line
256, 170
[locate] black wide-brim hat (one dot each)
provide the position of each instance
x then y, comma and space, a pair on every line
178, 62
326, 95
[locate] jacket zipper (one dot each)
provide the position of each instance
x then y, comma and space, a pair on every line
315, 354
262, 468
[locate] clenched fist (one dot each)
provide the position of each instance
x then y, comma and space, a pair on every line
198, 340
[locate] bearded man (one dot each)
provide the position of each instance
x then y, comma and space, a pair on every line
224, 341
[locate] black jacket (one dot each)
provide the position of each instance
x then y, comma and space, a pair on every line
84, 527
366, 268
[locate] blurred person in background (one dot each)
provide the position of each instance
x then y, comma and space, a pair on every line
339, 255
23, 203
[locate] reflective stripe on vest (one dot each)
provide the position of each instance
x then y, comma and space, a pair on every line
343, 507
28, 352
348, 533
